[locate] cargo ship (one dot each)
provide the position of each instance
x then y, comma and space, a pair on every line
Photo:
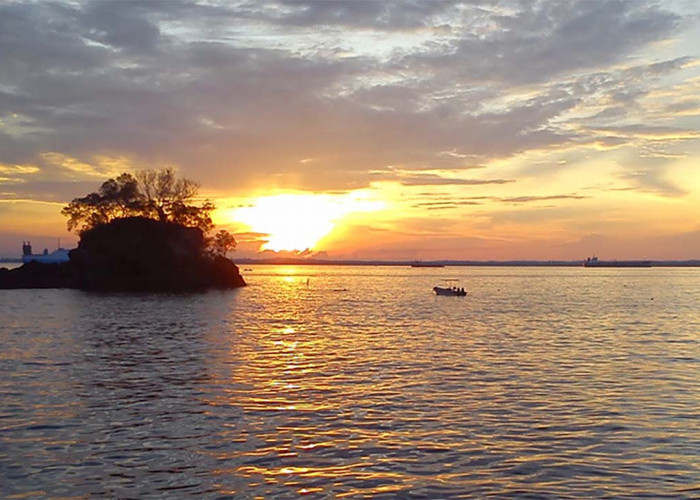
595, 262
419, 263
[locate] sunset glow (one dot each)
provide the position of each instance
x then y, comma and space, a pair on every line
502, 130
298, 221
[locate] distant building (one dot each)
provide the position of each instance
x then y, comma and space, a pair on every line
55, 257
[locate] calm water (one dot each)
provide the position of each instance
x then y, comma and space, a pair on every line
541, 383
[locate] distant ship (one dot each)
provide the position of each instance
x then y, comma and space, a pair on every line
594, 262
55, 257
418, 263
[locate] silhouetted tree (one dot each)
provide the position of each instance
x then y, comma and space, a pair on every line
222, 243
169, 199
116, 198
156, 194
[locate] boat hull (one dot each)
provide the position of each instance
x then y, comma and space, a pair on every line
618, 263
448, 292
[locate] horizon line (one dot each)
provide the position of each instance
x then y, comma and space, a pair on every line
427, 263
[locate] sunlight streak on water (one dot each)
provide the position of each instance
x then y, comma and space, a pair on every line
358, 382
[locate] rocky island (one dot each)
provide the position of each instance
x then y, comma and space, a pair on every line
150, 247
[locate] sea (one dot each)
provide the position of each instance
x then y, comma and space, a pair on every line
358, 382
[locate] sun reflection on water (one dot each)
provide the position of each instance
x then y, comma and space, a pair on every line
556, 383
387, 401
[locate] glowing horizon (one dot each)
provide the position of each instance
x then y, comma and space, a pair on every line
296, 221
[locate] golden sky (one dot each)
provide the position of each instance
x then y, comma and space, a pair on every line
366, 129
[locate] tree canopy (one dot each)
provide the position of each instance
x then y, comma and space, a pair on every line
156, 194
222, 243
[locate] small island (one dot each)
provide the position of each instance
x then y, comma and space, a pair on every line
141, 233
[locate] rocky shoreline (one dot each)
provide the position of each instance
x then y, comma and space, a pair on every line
133, 254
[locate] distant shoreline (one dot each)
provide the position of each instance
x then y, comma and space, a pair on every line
407, 263
446, 263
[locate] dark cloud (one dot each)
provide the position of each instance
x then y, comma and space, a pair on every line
450, 202
436, 180
445, 205
538, 40
529, 199
42, 37
362, 14
123, 25
227, 92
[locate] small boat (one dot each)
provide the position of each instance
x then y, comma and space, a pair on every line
449, 290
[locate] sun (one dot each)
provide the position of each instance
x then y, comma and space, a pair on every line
298, 221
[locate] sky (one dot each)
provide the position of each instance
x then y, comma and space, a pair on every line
487, 130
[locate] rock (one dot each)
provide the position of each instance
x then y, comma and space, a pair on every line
133, 254
36, 275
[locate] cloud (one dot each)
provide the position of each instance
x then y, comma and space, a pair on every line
359, 14
436, 180
51, 191
529, 199
652, 132
653, 180
237, 94
686, 106
446, 205
444, 202
124, 26
531, 42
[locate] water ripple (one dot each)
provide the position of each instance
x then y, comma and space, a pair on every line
543, 383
